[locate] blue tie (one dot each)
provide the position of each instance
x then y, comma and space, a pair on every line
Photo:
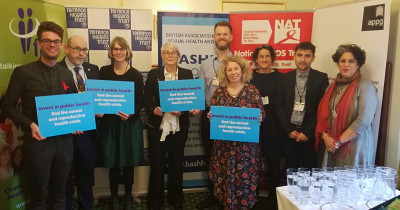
79, 79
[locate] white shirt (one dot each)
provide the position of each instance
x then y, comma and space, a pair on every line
169, 121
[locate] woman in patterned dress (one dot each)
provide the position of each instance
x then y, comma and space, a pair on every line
234, 165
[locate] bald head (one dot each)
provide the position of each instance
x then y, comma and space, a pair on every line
76, 49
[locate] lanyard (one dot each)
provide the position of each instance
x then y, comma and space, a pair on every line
214, 66
302, 92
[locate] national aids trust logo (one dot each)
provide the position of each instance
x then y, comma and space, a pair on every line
287, 31
25, 26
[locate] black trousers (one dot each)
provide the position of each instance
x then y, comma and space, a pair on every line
174, 146
300, 154
83, 167
207, 145
45, 169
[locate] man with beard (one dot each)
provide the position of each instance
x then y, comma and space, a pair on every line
45, 161
297, 105
84, 145
208, 72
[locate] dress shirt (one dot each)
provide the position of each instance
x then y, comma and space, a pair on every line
300, 96
170, 122
71, 68
208, 70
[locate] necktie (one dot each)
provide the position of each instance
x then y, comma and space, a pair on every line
79, 79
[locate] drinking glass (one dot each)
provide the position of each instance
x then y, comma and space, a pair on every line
303, 182
316, 185
291, 175
328, 184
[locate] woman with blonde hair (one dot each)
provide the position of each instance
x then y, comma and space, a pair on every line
234, 165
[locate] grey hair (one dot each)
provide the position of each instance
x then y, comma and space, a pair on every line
172, 46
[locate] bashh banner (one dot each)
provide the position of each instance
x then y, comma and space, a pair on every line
193, 33
282, 30
20, 21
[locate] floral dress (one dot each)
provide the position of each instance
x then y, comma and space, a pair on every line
234, 166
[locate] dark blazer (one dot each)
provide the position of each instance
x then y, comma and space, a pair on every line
91, 71
152, 97
317, 82
27, 82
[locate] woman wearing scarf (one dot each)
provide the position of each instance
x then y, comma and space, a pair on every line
346, 111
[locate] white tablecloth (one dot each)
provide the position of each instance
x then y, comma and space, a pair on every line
286, 201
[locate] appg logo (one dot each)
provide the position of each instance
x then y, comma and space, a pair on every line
287, 31
374, 18
26, 30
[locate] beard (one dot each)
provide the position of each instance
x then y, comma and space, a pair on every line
223, 47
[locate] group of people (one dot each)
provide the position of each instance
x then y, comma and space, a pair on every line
297, 116
312, 124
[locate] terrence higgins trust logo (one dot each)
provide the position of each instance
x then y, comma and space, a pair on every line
25, 28
374, 18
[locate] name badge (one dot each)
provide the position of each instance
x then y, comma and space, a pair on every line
265, 100
215, 82
299, 107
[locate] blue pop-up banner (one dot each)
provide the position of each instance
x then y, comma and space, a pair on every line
181, 95
112, 96
65, 114
235, 124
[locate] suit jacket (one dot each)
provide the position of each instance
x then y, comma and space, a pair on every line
317, 82
152, 97
27, 82
91, 70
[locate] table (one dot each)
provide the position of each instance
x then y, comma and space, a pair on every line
286, 201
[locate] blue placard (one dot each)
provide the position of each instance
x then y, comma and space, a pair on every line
65, 114
235, 124
112, 96
181, 95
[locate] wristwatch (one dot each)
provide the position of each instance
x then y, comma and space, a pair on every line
338, 143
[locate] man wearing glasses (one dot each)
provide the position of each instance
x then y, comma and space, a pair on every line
45, 161
84, 145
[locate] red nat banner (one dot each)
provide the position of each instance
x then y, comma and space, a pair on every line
283, 31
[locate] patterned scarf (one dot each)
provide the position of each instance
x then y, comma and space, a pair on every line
345, 110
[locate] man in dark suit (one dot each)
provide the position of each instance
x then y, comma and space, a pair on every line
297, 106
45, 161
84, 145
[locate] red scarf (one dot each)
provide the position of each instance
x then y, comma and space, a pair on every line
345, 111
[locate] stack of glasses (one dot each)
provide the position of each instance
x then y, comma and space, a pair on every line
348, 185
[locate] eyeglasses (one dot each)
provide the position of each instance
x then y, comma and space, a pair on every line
118, 49
48, 41
77, 49
167, 53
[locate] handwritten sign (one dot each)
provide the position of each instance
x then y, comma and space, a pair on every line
112, 96
181, 95
65, 114
235, 124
